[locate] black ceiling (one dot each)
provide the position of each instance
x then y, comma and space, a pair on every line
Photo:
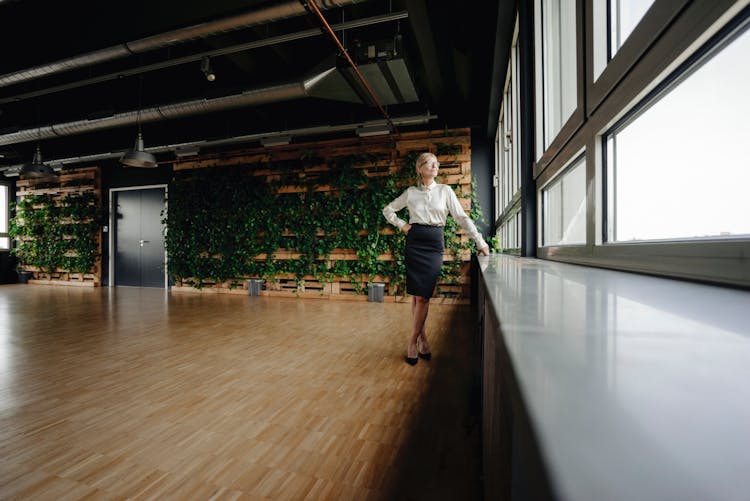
447, 48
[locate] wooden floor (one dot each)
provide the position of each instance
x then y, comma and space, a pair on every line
138, 393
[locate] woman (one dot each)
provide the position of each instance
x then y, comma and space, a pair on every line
429, 204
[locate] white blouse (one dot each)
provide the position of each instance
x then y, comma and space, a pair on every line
430, 205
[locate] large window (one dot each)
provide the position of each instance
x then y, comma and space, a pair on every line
508, 159
679, 169
564, 207
556, 66
4, 200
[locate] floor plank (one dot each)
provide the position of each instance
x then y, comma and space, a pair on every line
137, 393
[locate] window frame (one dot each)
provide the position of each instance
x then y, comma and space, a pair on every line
571, 163
693, 63
508, 154
576, 119
694, 24
651, 26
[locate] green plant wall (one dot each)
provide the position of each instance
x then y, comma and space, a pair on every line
221, 219
57, 234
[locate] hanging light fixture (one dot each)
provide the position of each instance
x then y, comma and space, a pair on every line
36, 169
137, 157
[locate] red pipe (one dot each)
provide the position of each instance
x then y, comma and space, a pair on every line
312, 6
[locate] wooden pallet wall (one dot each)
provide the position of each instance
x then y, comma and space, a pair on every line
70, 181
393, 153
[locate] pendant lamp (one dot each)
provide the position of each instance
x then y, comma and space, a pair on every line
36, 169
137, 157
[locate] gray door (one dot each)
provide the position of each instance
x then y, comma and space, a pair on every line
139, 240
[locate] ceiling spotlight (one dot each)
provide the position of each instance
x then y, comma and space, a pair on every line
207, 69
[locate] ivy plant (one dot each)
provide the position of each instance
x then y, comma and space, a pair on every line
225, 223
57, 234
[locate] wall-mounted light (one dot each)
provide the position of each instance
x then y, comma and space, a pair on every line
207, 69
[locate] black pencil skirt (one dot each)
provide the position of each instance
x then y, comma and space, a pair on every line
424, 257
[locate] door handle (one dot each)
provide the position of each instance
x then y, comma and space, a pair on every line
143, 242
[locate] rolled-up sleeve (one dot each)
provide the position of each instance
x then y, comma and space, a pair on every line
459, 214
390, 210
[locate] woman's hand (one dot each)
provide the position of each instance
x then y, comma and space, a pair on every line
405, 228
485, 251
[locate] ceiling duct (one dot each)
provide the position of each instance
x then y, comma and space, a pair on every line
382, 65
290, 8
328, 84
389, 79
193, 148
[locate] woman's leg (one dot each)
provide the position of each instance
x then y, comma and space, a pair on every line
422, 345
419, 308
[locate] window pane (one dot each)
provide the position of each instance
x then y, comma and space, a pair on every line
552, 214
4, 240
497, 185
518, 231
559, 64
680, 170
3, 208
564, 208
624, 16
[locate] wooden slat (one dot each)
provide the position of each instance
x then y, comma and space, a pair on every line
55, 191
67, 283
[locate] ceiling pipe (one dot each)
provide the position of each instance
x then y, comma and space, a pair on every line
12, 170
313, 7
288, 9
224, 51
315, 86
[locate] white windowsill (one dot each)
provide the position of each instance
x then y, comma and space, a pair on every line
636, 387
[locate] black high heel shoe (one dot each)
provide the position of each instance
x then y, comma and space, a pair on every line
425, 356
411, 361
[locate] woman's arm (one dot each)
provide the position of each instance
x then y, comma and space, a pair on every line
389, 212
459, 214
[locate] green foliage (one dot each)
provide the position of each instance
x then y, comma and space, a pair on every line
220, 220
61, 234
494, 243
447, 149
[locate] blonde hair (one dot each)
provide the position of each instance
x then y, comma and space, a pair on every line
422, 159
